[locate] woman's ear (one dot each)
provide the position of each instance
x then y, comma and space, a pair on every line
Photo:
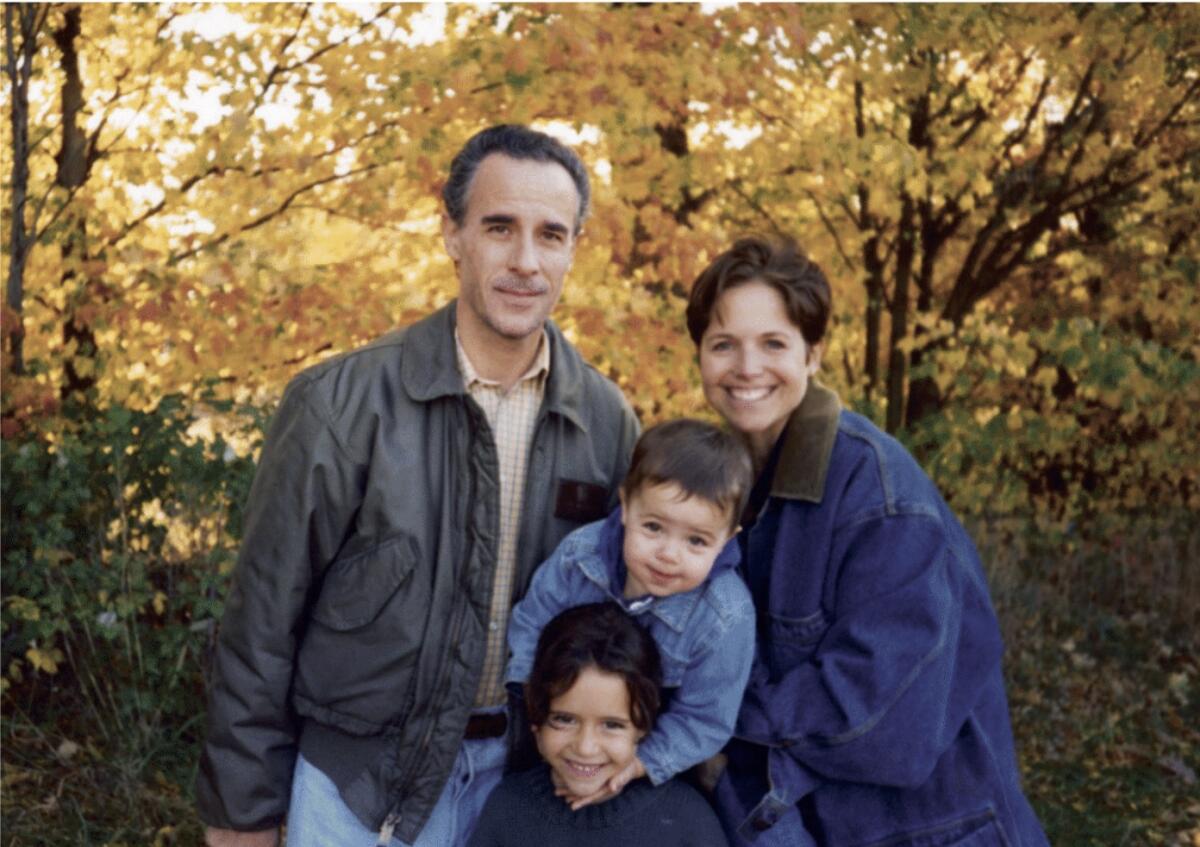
813, 363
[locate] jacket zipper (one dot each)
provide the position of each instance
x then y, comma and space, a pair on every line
389, 826
393, 819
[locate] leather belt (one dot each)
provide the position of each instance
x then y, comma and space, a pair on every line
486, 726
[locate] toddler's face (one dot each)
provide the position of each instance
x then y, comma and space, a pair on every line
588, 735
671, 539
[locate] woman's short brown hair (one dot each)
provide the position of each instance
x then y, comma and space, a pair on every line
778, 263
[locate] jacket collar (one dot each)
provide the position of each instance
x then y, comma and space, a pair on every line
807, 446
430, 365
607, 569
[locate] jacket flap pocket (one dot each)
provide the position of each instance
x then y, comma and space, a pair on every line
798, 631
356, 590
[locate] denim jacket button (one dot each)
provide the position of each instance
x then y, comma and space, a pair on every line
762, 824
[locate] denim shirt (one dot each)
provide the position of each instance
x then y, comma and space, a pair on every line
875, 711
705, 637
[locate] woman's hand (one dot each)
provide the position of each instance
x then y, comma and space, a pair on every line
612, 788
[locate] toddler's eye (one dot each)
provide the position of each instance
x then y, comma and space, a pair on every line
698, 541
651, 526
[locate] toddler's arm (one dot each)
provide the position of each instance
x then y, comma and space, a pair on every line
700, 718
555, 588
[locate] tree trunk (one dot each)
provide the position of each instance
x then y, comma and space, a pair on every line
924, 398
872, 262
907, 232
897, 360
19, 68
73, 166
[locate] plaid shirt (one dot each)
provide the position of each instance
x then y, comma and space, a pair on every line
512, 417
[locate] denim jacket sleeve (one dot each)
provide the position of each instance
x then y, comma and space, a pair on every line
700, 717
553, 589
888, 686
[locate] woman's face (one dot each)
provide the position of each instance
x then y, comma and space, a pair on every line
755, 363
589, 735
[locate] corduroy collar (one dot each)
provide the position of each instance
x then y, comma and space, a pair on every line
808, 446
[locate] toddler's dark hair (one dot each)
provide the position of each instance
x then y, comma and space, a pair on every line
601, 636
702, 459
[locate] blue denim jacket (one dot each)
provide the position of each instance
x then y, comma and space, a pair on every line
875, 712
705, 637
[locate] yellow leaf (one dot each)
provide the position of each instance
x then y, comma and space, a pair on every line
160, 602
44, 660
24, 608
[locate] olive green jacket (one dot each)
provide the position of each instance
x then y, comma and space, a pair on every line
354, 631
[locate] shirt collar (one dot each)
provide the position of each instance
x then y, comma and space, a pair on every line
539, 368
429, 368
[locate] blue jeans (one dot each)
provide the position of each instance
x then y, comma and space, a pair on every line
317, 817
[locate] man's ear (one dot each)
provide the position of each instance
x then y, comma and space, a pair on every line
450, 238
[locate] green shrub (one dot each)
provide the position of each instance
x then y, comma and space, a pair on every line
119, 531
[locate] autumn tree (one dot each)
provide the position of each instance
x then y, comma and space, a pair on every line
219, 197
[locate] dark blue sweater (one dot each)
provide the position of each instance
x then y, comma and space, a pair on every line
523, 810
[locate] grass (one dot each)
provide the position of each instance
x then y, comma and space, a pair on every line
1103, 675
1104, 686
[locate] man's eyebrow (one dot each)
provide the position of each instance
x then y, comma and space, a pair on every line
498, 219
555, 227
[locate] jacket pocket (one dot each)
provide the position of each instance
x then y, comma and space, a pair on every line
356, 590
791, 641
357, 663
980, 829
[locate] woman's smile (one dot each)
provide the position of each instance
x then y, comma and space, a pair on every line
755, 363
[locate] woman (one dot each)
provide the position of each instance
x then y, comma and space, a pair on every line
875, 712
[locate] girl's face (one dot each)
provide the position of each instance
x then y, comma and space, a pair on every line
589, 735
755, 363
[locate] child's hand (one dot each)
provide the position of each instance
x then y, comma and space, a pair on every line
610, 789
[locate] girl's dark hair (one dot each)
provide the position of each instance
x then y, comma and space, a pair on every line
778, 263
601, 636
703, 460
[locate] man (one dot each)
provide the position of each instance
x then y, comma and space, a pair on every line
405, 494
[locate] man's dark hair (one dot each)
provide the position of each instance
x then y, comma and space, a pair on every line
703, 460
778, 263
516, 142
600, 636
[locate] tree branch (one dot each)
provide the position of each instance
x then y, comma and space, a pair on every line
274, 213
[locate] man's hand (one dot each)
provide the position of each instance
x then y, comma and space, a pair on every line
610, 789
214, 837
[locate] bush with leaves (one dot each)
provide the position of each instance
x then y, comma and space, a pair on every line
119, 531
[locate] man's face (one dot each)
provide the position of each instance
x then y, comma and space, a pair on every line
513, 248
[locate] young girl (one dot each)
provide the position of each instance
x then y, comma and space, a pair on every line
592, 695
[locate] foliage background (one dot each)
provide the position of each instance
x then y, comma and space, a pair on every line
203, 200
